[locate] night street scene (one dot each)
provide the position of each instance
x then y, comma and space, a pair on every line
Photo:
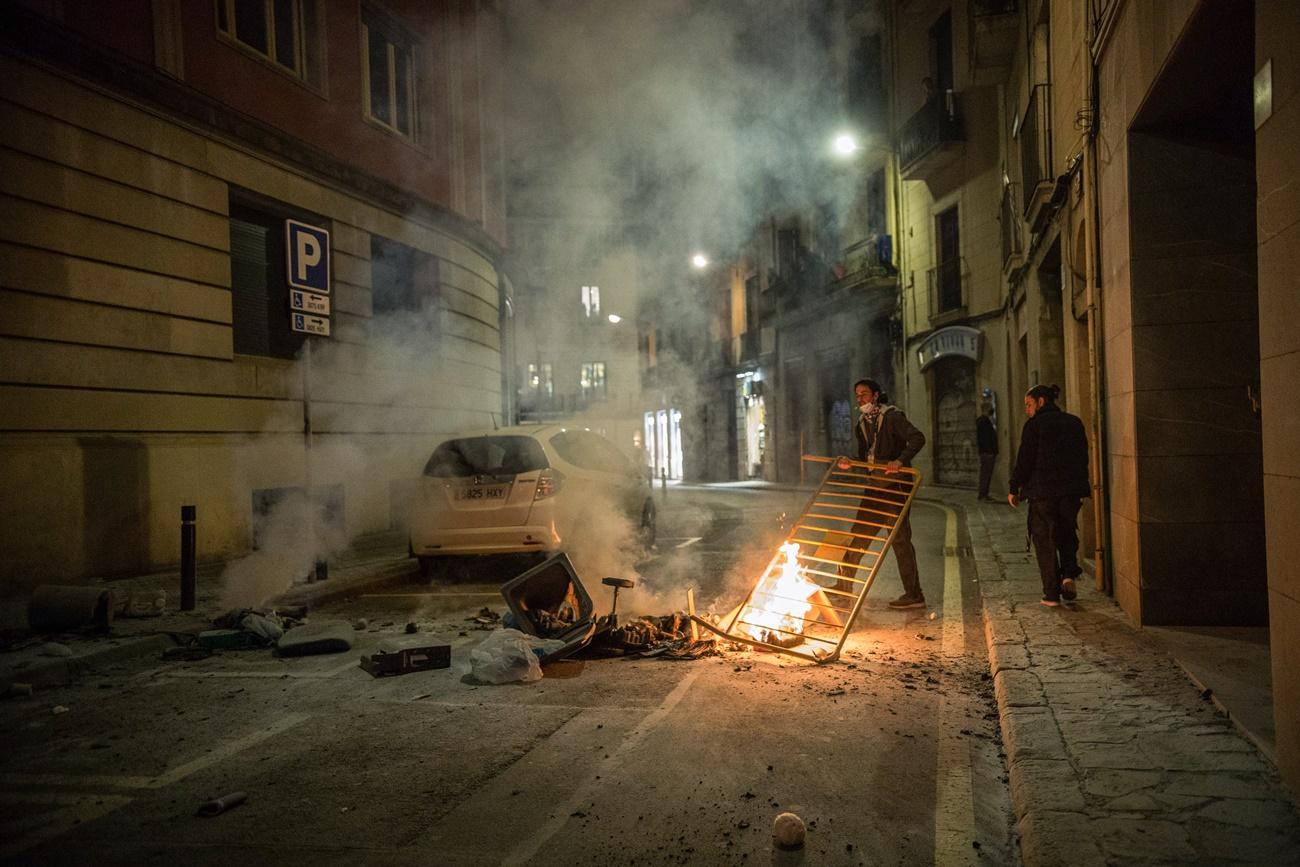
649, 432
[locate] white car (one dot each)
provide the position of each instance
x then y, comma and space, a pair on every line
519, 490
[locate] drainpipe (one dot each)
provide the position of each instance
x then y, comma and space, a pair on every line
1096, 348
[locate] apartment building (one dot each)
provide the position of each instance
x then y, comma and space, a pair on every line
247, 249
1087, 202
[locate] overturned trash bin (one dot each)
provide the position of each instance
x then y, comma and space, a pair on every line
550, 602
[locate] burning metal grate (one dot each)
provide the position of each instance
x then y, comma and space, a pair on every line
807, 598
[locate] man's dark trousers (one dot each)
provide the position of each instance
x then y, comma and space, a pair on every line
1053, 527
904, 552
986, 472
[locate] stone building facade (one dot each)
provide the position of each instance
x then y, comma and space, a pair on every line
151, 158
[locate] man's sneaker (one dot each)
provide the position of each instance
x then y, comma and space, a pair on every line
1068, 593
1050, 603
906, 601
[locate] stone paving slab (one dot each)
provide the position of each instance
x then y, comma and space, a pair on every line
1113, 755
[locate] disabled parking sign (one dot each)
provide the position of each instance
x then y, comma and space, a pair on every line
307, 251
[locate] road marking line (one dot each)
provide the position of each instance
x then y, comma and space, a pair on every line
76, 809
292, 675
690, 541
176, 774
524, 852
434, 595
954, 814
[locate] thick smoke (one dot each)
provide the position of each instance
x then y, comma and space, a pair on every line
692, 117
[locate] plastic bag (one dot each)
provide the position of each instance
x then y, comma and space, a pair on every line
508, 655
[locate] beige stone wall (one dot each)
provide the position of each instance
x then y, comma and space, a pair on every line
122, 397
1277, 32
973, 182
1129, 63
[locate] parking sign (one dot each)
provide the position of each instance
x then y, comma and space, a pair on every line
308, 251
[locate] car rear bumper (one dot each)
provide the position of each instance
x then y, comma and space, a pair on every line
485, 540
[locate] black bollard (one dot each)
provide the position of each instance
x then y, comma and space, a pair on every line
188, 521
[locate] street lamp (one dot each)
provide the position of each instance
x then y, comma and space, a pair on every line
614, 318
699, 260
846, 144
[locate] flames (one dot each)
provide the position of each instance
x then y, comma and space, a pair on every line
780, 602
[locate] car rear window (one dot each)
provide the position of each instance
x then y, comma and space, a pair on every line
590, 451
486, 456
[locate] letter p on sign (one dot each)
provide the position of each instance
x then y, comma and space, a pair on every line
308, 250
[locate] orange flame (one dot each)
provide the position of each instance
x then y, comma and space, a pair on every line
781, 600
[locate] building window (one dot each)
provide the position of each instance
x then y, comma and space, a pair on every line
949, 266
284, 32
592, 380
591, 301
540, 381
259, 293
402, 279
388, 53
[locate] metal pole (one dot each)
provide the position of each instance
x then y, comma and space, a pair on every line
188, 562
320, 570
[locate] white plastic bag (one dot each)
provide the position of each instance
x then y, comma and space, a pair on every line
508, 655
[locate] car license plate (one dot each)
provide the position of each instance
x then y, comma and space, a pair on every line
493, 492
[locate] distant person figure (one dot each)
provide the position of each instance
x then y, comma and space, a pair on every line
1051, 472
884, 435
986, 439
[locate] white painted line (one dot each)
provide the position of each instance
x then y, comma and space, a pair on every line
221, 752
954, 813
528, 848
71, 811
427, 595
690, 541
291, 675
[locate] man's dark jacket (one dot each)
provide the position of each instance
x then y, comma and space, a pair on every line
986, 438
1053, 457
896, 440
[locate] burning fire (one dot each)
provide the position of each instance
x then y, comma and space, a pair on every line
779, 602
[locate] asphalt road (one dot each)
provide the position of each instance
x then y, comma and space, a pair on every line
890, 756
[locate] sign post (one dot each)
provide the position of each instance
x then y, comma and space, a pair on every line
307, 249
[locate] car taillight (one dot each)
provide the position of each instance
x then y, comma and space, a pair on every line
548, 483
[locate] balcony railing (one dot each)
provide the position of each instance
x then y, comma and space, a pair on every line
947, 283
1009, 218
989, 8
1035, 136
930, 138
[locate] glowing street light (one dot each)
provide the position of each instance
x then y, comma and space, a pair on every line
614, 318
699, 260
846, 144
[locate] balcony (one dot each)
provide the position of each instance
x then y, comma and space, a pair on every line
1009, 218
932, 138
947, 284
994, 27
1034, 132
866, 261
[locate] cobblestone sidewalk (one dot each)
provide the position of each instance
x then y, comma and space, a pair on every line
1114, 756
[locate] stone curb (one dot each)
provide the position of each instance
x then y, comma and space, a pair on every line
60, 671
1045, 792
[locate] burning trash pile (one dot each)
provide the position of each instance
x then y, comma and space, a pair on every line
551, 603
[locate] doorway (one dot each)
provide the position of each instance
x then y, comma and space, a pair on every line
956, 457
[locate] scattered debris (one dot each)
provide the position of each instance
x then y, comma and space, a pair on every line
788, 831
411, 628
934, 614
485, 619
923, 637
509, 656
360, 624
54, 648
402, 656
143, 603
217, 806
326, 636
58, 709
58, 607
185, 653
